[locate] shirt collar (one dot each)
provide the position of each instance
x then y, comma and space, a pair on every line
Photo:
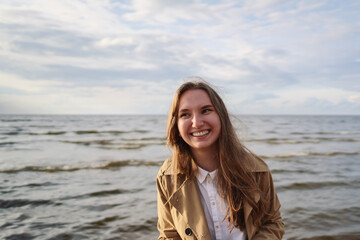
201, 174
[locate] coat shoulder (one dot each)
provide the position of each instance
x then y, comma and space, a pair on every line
259, 165
166, 168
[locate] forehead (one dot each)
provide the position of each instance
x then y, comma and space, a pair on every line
194, 98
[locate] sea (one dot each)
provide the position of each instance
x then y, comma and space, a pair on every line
93, 176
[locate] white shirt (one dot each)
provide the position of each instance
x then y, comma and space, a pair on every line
215, 208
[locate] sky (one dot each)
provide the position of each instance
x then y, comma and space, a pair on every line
129, 57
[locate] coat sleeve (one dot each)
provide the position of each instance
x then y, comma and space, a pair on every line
272, 226
165, 224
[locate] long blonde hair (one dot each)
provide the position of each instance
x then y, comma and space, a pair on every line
236, 182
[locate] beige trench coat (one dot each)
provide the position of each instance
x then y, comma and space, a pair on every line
181, 214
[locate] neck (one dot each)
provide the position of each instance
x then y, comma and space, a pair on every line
206, 159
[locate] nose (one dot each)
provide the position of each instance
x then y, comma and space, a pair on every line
197, 121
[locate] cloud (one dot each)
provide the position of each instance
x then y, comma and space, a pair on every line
167, 12
118, 41
15, 82
54, 97
265, 54
354, 99
295, 101
86, 17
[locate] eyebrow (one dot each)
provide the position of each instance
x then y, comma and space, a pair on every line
205, 106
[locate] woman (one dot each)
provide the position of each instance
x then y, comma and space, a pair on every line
213, 187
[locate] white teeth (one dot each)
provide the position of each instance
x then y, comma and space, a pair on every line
199, 134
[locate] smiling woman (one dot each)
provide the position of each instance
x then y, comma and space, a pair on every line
212, 187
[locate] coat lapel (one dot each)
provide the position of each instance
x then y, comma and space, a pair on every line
187, 202
248, 221
248, 208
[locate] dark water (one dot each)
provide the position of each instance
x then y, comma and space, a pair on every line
93, 177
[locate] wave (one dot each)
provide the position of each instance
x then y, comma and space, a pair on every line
20, 236
323, 218
16, 120
79, 132
300, 141
144, 227
65, 235
347, 236
336, 139
7, 143
49, 133
109, 192
24, 202
277, 171
6, 191
114, 144
317, 185
113, 132
108, 144
282, 141
67, 168
144, 139
99, 223
303, 154
34, 185
103, 193
334, 213
12, 133
130, 146
148, 226
127, 143
130, 163
101, 207
327, 133
338, 133
90, 142
330, 212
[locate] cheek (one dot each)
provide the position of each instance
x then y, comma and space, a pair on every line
182, 128
217, 123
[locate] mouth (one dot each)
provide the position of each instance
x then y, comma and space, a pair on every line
200, 134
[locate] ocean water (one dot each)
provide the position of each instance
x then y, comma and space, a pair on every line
93, 177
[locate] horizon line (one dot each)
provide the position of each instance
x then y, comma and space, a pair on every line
165, 114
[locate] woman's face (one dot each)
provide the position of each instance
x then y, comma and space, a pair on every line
198, 122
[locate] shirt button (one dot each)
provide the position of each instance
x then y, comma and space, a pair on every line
188, 232
212, 203
217, 227
209, 181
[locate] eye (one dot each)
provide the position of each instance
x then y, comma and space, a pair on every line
184, 115
207, 110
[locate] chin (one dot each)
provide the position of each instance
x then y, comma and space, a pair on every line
202, 146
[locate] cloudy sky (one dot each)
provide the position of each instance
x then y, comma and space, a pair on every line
128, 57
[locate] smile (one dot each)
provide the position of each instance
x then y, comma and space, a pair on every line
199, 134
